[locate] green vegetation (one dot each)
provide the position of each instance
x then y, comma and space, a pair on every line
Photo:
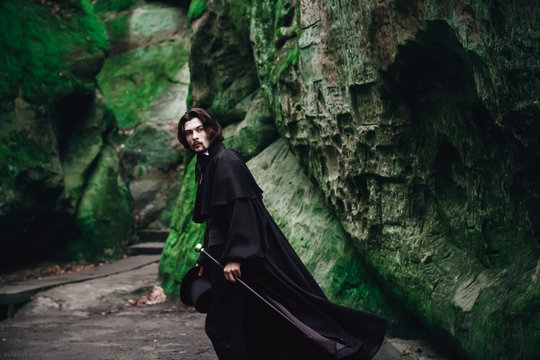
290, 60
16, 153
94, 31
132, 80
178, 255
104, 216
239, 12
149, 147
41, 44
196, 9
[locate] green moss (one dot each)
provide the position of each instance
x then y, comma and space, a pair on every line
290, 60
355, 286
178, 255
17, 151
196, 9
95, 32
37, 45
277, 14
104, 216
149, 146
132, 80
239, 12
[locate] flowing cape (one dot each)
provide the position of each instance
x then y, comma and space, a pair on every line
323, 330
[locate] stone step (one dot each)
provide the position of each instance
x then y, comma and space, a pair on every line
152, 235
21, 292
146, 248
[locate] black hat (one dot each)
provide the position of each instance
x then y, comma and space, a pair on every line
195, 290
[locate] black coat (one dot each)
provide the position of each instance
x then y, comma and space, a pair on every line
230, 198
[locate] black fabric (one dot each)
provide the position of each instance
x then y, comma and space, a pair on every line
271, 266
222, 177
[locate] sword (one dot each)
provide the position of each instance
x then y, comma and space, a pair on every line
306, 331
330, 345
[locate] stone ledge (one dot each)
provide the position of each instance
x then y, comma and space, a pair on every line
22, 291
148, 248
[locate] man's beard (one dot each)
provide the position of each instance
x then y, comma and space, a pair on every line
200, 148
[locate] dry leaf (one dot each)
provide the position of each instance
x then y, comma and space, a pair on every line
142, 301
156, 296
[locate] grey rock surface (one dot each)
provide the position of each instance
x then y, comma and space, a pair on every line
95, 320
99, 319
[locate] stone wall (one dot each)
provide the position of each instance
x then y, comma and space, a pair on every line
418, 120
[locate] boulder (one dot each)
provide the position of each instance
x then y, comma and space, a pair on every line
150, 160
298, 207
104, 220
144, 78
255, 132
55, 135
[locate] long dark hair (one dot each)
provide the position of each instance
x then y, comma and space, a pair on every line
211, 126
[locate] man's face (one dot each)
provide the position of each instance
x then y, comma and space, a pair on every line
196, 136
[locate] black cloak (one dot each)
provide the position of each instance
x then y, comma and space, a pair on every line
230, 201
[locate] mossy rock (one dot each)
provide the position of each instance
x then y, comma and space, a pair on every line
299, 209
150, 160
221, 62
149, 147
83, 146
50, 55
132, 80
178, 255
104, 217
49, 51
255, 132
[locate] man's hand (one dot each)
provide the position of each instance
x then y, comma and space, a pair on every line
201, 269
231, 270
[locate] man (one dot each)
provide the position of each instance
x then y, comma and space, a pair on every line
243, 236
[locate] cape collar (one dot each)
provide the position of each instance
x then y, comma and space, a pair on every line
203, 159
212, 150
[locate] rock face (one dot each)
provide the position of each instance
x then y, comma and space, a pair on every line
59, 179
144, 79
223, 73
419, 122
145, 83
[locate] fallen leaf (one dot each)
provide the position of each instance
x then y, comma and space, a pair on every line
142, 301
156, 296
